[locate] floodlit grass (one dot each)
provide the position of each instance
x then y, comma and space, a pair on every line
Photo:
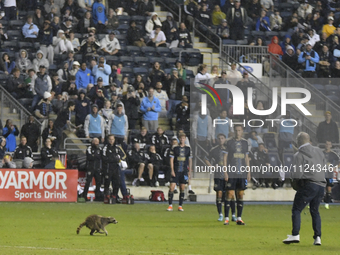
50, 228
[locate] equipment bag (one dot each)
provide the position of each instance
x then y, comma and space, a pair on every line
157, 196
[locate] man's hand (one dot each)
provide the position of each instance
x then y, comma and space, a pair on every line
248, 177
153, 107
173, 173
149, 109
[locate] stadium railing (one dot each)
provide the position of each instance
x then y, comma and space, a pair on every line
7, 100
293, 79
263, 90
209, 36
246, 53
198, 158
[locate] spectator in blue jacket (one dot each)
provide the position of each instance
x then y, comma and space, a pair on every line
9, 132
309, 58
6, 65
83, 77
150, 108
102, 70
30, 30
263, 22
99, 16
287, 42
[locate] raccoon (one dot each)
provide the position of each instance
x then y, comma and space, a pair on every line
96, 223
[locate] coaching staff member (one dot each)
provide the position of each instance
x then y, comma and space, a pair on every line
309, 186
112, 155
93, 167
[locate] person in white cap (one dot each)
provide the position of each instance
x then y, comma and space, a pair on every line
61, 43
329, 28
311, 59
44, 107
75, 68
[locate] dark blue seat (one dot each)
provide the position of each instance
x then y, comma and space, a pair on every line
149, 51
127, 61
142, 62
124, 19
164, 52
134, 50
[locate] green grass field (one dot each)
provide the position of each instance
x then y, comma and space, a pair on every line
50, 228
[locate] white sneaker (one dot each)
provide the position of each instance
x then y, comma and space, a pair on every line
317, 241
134, 182
141, 179
156, 184
167, 184
292, 239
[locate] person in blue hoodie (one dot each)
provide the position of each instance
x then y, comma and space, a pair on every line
99, 16
119, 125
83, 77
102, 70
263, 22
94, 125
150, 107
309, 58
287, 42
9, 132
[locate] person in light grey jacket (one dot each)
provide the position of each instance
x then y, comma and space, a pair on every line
308, 173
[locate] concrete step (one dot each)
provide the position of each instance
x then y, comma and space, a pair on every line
200, 45
260, 194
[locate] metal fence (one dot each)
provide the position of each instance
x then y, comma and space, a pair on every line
323, 99
8, 102
246, 53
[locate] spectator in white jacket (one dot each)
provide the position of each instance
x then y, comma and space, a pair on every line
162, 97
313, 37
304, 9
61, 43
110, 44
40, 60
153, 21
202, 75
234, 75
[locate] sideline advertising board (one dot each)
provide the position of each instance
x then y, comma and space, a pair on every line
38, 185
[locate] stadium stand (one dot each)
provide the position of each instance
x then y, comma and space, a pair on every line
139, 60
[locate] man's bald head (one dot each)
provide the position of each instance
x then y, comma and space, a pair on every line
302, 138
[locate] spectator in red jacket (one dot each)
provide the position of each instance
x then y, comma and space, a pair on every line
274, 46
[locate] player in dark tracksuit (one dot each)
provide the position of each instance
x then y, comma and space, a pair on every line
214, 158
93, 167
237, 159
112, 156
332, 159
180, 164
23, 150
